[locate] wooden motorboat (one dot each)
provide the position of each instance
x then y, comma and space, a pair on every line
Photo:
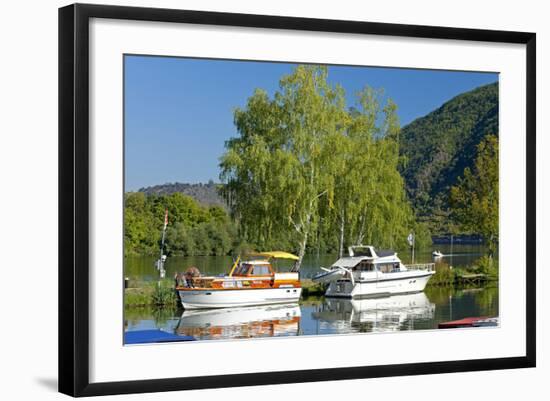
253, 281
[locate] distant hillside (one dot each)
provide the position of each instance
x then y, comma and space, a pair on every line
206, 194
440, 145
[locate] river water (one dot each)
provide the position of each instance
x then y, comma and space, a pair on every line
316, 315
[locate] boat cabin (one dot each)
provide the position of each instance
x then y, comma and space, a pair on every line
369, 266
256, 272
256, 268
366, 262
369, 272
233, 289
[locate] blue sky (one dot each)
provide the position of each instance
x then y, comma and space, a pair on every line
179, 112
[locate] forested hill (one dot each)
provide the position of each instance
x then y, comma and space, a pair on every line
205, 194
440, 145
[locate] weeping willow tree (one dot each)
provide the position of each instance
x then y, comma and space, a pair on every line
306, 168
370, 205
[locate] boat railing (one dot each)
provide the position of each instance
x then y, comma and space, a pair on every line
421, 266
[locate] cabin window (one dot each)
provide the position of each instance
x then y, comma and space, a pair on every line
261, 270
242, 270
388, 267
364, 266
364, 251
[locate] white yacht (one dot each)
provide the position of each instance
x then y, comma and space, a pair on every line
368, 272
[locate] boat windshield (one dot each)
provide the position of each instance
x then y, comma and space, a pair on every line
364, 266
247, 269
242, 270
261, 270
362, 251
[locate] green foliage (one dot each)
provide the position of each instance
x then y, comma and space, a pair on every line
134, 297
475, 198
192, 230
311, 289
156, 294
486, 265
444, 276
369, 199
180, 240
423, 237
437, 148
163, 295
306, 172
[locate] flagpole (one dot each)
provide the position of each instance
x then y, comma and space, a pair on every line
414, 240
162, 272
411, 239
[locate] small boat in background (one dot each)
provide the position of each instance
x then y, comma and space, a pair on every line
470, 322
437, 254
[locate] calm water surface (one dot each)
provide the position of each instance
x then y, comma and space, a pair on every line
141, 267
316, 315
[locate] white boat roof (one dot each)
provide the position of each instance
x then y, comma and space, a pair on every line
349, 261
256, 262
352, 261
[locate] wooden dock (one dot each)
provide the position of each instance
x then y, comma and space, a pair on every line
472, 279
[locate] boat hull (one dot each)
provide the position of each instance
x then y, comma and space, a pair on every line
223, 298
404, 283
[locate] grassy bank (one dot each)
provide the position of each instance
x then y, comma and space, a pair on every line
309, 288
151, 294
485, 271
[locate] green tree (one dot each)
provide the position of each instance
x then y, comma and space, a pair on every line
179, 240
439, 146
370, 203
308, 172
276, 170
192, 228
202, 242
386, 216
220, 240
474, 200
139, 235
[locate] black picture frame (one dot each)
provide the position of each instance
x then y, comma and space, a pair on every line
74, 198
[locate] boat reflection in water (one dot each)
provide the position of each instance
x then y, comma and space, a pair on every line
246, 322
394, 313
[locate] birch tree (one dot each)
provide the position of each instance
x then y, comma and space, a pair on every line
280, 166
305, 167
370, 201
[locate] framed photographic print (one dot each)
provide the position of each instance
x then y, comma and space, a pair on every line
250, 199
